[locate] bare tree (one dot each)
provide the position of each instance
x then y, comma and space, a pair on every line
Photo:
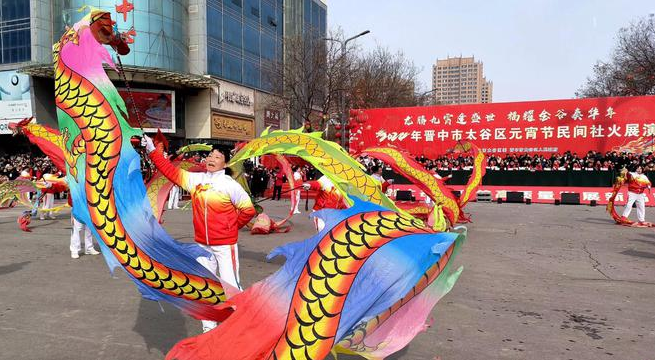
385, 79
311, 79
631, 69
319, 80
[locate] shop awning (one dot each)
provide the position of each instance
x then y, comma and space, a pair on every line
136, 74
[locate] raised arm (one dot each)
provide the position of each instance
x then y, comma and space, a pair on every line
176, 175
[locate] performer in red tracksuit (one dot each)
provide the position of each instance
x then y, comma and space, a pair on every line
637, 184
328, 197
220, 208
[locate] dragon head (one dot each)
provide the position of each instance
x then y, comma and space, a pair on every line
17, 127
103, 30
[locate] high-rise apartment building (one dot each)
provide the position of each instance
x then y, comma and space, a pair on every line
460, 80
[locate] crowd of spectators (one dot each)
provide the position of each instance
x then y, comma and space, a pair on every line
32, 165
591, 161
261, 178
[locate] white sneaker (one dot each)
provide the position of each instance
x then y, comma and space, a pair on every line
75, 255
41, 218
92, 252
297, 212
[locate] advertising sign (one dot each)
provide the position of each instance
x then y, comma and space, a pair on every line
15, 99
156, 109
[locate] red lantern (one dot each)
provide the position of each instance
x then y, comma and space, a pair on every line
337, 135
337, 126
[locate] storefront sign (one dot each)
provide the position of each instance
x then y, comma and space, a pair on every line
156, 109
272, 119
233, 98
15, 99
230, 128
578, 125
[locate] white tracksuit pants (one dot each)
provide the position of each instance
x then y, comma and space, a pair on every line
319, 224
174, 198
641, 205
48, 203
226, 262
297, 195
76, 245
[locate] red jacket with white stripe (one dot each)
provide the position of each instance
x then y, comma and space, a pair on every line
637, 183
220, 205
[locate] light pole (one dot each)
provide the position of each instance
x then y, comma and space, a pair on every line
427, 92
342, 97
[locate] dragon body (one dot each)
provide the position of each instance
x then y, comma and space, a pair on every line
338, 291
330, 159
101, 162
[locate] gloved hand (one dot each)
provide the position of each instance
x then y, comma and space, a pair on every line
306, 186
390, 181
147, 143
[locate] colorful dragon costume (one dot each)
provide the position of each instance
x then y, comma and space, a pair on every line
452, 208
327, 157
52, 144
104, 174
611, 207
363, 285
479, 169
47, 139
17, 191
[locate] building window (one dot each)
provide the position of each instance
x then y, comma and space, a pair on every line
15, 31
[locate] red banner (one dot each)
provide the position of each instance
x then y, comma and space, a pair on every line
539, 194
579, 125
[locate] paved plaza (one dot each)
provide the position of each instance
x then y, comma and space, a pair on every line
539, 282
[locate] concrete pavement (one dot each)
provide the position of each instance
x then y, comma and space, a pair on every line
539, 282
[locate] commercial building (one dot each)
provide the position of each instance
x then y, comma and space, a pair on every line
460, 80
208, 65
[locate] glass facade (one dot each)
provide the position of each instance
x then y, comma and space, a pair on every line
15, 40
161, 27
244, 40
314, 18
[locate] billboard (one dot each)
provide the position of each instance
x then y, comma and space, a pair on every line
15, 99
553, 126
156, 109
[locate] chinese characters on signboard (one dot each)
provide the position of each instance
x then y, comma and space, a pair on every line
230, 128
272, 119
544, 126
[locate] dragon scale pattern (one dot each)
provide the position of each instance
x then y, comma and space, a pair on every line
100, 140
323, 286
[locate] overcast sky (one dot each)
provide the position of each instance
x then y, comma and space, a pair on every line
532, 50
